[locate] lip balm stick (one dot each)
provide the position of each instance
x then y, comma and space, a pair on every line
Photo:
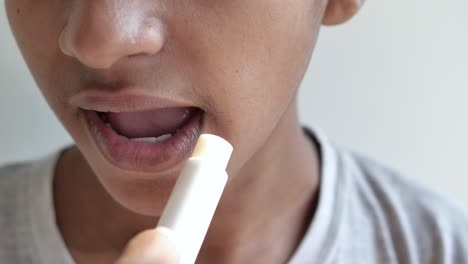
196, 194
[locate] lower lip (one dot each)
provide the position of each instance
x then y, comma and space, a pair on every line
141, 156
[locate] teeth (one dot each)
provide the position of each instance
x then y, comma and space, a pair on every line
152, 139
163, 137
144, 139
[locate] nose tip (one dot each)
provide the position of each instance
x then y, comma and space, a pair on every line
100, 40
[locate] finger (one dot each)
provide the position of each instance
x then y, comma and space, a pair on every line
153, 246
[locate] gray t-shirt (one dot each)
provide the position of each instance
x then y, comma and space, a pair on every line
366, 213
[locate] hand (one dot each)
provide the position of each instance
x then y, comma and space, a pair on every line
151, 247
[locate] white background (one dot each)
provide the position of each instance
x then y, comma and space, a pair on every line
392, 84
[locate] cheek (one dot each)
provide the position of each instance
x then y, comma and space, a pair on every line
252, 61
36, 26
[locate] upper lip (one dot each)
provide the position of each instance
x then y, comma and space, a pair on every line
123, 100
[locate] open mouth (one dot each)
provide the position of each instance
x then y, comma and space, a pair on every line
148, 126
151, 140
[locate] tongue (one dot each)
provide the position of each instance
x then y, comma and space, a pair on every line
149, 123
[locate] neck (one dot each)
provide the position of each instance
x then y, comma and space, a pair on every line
269, 205
262, 215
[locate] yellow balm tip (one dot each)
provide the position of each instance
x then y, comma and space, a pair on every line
214, 148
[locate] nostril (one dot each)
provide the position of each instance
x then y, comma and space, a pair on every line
91, 56
99, 43
63, 43
92, 51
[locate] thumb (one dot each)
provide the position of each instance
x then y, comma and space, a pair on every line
154, 246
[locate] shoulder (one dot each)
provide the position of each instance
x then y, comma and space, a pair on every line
15, 172
21, 187
8, 170
14, 193
16, 177
14, 189
411, 221
11, 177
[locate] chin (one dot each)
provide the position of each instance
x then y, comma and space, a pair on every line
144, 197
143, 194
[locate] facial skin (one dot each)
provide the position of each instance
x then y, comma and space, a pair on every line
240, 61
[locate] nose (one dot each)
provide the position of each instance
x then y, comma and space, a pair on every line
99, 33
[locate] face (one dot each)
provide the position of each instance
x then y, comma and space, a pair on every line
237, 62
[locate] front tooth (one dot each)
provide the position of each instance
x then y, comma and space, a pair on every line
144, 139
152, 139
163, 137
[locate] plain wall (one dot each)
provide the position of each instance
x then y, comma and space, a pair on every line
391, 84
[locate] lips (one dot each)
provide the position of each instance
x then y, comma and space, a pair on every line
144, 137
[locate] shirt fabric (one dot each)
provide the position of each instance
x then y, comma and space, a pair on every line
366, 213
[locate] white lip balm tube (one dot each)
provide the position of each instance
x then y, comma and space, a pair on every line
196, 194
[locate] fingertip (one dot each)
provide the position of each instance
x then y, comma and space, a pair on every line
165, 231
151, 246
